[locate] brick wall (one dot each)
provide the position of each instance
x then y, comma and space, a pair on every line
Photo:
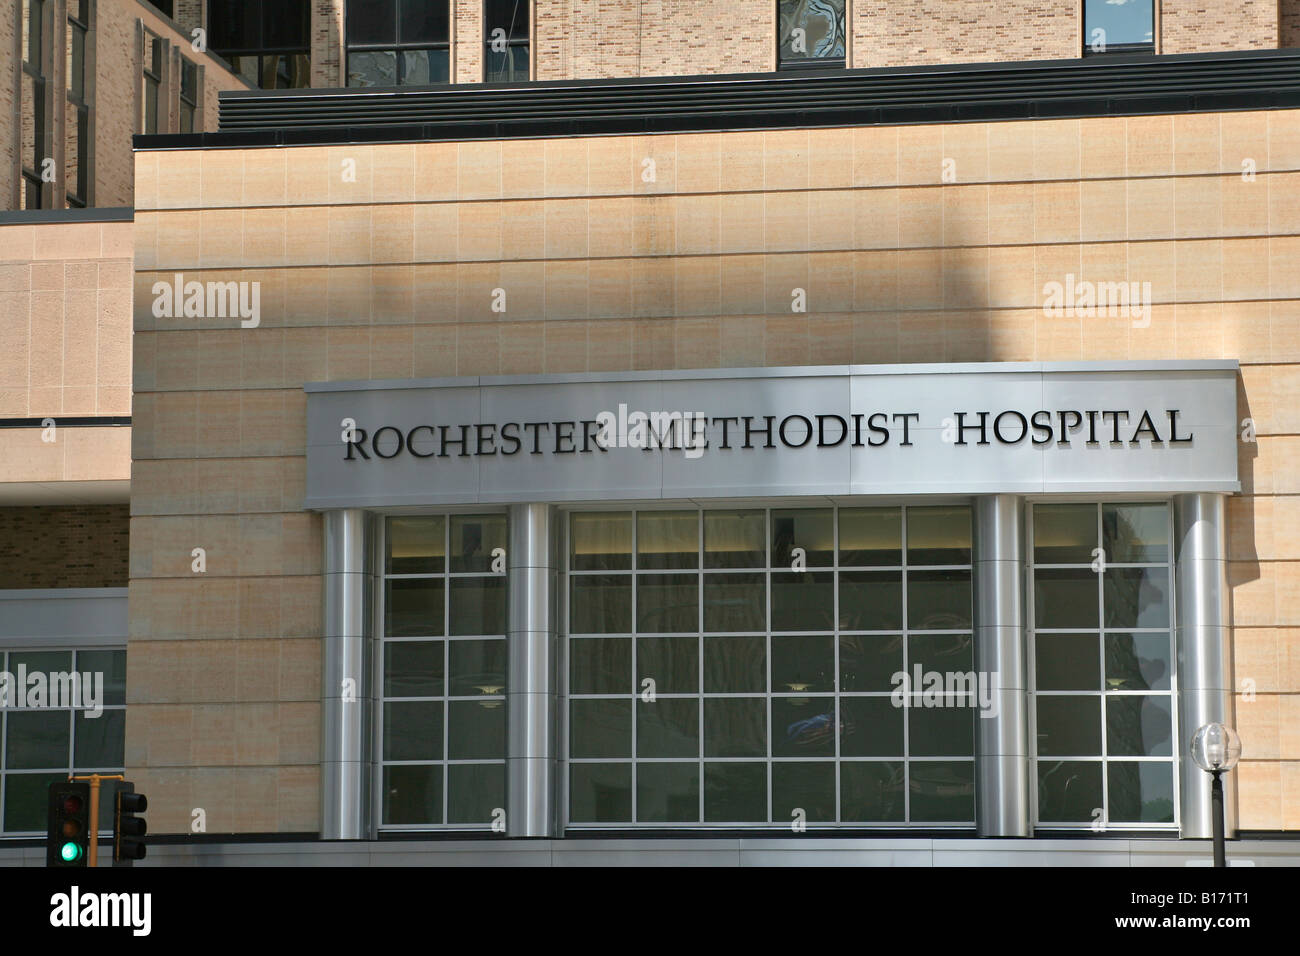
75, 546
467, 51
189, 14
327, 44
907, 32
10, 64
613, 38
1202, 26
1288, 26
117, 78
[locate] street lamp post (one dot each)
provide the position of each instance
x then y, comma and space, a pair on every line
1216, 749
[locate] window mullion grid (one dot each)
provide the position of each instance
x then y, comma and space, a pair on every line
700, 685
838, 719
908, 699
636, 630
767, 667
1176, 767
1101, 669
446, 663
4, 743
699, 642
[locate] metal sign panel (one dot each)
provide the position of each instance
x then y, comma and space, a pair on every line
1024, 428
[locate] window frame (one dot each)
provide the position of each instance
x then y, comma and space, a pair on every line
264, 55
835, 632
1104, 758
397, 48
6, 652
809, 62
32, 183
447, 698
524, 42
81, 103
1119, 49
153, 58
188, 105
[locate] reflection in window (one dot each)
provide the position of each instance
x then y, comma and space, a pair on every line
811, 33
732, 667
1103, 664
399, 43
267, 42
505, 41
1111, 27
443, 676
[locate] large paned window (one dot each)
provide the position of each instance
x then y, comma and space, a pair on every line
505, 41
399, 42
443, 673
268, 42
811, 33
738, 667
76, 149
46, 736
33, 120
1104, 715
1111, 27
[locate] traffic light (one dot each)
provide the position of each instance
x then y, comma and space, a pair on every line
127, 827
67, 840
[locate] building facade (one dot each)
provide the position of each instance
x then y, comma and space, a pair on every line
618, 453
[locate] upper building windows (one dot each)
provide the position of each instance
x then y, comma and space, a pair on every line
811, 33
1119, 26
505, 41
398, 43
266, 42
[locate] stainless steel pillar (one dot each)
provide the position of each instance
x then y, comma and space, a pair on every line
1203, 637
346, 696
532, 569
1002, 740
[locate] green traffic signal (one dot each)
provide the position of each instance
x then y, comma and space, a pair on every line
67, 840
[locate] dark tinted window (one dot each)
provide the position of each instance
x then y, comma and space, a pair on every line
424, 22
285, 24
509, 15
372, 22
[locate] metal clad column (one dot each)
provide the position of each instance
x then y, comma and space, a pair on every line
346, 696
1002, 740
532, 572
1203, 638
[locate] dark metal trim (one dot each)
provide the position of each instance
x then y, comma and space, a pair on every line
1113, 85
68, 421
10, 217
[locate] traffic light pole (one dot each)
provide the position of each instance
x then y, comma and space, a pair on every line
95, 778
